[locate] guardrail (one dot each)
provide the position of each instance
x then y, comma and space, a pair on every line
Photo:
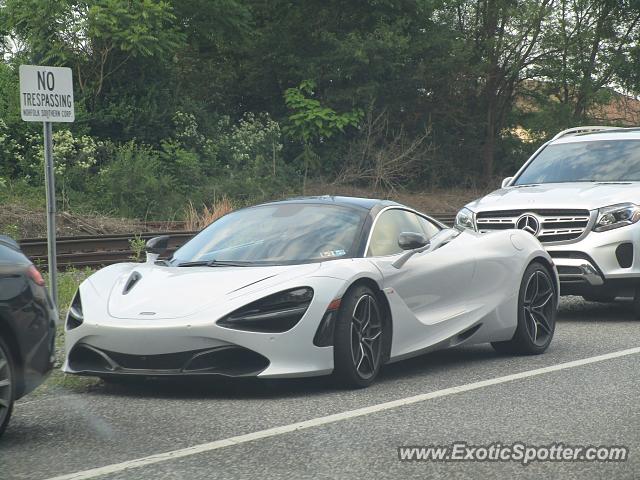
102, 250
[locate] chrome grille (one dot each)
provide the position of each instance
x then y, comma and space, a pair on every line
554, 225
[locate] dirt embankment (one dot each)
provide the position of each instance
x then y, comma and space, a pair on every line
19, 221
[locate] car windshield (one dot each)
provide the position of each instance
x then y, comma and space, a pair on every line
286, 233
593, 161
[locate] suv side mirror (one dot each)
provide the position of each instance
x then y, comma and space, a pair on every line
411, 240
155, 247
506, 181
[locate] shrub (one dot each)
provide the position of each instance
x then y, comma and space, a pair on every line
135, 184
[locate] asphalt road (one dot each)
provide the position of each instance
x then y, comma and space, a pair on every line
594, 403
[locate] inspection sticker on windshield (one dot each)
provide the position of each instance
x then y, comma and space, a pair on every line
333, 253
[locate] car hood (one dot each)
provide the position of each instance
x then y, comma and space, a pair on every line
577, 195
174, 292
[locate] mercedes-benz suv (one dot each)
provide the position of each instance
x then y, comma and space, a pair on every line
579, 194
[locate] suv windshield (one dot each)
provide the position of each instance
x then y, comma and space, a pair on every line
593, 161
285, 233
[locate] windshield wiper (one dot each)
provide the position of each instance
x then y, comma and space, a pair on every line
215, 263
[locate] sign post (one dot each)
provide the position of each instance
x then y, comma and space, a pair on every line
46, 95
50, 188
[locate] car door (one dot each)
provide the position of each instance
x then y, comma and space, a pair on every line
426, 294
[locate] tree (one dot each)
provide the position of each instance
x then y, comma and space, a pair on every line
501, 39
218, 35
310, 122
592, 41
111, 45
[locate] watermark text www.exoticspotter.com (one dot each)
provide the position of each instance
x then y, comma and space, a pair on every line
514, 452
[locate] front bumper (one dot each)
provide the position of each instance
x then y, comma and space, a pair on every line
161, 348
195, 345
600, 261
578, 270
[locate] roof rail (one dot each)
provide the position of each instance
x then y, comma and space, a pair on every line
585, 129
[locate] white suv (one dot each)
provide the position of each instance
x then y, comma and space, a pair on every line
580, 195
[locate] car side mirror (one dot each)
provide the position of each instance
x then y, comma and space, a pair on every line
411, 240
439, 239
155, 247
506, 182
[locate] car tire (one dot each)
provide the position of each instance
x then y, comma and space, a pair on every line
7, 385
358, 338
537, 311
600, 298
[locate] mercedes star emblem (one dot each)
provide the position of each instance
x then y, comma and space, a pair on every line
529, 223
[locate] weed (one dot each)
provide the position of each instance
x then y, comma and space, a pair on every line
196, 221
137, 245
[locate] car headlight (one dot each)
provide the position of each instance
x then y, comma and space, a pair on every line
273, 314
75, 317
616, 216
464, 219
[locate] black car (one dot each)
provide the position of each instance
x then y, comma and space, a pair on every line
27, 328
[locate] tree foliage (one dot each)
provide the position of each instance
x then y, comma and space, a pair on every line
208, 97
310, 122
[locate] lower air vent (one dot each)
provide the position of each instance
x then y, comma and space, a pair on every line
85, 358
468, 333
624, 254
567, 270
165, 361
232, 361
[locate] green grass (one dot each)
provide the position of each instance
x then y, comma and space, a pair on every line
21, 193
68, 282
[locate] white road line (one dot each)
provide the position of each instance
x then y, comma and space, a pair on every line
338, 417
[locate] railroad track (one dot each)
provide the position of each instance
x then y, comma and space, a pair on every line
102, 250
95, 251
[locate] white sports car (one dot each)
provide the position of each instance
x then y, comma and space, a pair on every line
311, 286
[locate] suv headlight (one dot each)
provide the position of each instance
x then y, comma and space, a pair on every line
273, 314
464, 219
616, 216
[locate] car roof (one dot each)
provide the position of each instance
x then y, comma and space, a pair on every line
10, 252
608, 135
351, 202
9, 242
